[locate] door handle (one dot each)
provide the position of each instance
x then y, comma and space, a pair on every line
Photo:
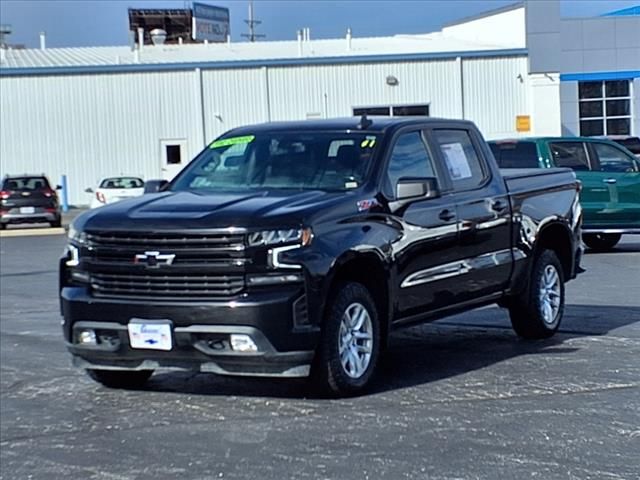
498, 206
446, 215
610, 180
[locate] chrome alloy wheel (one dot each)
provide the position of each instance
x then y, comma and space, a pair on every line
355, 340
549, 294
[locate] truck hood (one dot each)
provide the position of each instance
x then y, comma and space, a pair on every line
196, 210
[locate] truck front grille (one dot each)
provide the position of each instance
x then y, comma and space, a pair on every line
165, 286
202, 265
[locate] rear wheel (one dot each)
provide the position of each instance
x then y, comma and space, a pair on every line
350, 346
120, 378
57, 223
537, 312
601, 242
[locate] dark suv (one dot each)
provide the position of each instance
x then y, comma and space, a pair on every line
28, 199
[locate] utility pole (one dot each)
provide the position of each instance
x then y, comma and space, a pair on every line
252, 23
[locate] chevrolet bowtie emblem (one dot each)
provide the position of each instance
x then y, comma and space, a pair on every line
154, 259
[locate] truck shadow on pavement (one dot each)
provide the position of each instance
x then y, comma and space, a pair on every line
431, 352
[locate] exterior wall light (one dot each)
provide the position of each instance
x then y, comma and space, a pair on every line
392, 81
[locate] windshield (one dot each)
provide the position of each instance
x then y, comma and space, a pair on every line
335, 161
122, 182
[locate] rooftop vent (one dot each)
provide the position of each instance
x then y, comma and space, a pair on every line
158, 36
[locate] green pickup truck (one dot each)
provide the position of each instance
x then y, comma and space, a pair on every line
609, 173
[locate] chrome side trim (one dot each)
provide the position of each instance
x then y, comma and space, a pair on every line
632, 231
462, 267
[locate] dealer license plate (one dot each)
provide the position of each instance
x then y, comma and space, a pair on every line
150, 334
27, 210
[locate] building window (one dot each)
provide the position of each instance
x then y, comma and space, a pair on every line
173, 154
393, 110
605, 108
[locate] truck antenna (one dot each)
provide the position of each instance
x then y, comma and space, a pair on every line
364, 122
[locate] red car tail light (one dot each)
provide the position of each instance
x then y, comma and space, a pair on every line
4, 194
100, 197
49, 193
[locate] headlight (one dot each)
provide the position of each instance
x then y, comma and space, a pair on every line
76, 236
302, 236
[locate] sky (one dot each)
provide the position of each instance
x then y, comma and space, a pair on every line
76, 23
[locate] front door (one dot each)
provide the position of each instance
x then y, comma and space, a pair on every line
425, 254
172, 157
618, 172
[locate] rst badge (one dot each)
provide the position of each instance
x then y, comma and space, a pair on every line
154, 259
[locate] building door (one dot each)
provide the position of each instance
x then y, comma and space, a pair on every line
172, 157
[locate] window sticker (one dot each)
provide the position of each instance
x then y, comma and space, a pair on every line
225, 142
456, 160
368, 142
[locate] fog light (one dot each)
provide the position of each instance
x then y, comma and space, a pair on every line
243, 343
87, 337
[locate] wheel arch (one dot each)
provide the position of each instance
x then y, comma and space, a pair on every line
369, 269
557, 237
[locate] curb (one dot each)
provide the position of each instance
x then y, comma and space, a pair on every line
31, 232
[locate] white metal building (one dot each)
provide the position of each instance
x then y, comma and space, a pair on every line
94, 112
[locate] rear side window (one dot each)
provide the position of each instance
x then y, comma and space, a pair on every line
460, 156
26, 183
571, 155
515, 154
409, 158
613, 160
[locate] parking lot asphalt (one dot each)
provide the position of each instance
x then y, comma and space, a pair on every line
462, 398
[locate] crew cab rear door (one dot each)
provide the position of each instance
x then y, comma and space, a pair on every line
483, 212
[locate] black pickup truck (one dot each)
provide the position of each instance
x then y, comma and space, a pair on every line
294, 249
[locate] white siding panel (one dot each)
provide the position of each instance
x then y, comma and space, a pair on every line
297, 91
92, 126
496, 90
233, 98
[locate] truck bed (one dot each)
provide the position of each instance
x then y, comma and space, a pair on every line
530, 180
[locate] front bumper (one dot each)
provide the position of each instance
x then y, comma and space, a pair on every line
200, 333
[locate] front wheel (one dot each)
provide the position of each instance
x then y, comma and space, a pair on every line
120, 378
537, 312
601, 242
350, 345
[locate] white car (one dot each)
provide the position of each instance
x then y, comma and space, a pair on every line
114, 189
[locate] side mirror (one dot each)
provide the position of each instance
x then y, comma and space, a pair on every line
88, 190
410, 188
58, 187
154, 186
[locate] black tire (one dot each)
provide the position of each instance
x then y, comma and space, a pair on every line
601, 242
529, 317
57, 223
329, 376
3, 226
120, 378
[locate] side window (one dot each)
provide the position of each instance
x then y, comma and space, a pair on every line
409, 158
461, 159
612, 159
570, 155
